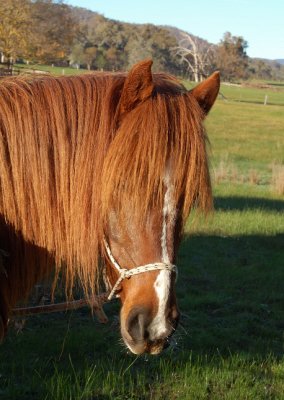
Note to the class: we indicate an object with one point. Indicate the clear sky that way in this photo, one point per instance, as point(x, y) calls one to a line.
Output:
point(259, 22)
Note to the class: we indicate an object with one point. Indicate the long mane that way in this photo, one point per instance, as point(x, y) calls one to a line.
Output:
point(66, 160)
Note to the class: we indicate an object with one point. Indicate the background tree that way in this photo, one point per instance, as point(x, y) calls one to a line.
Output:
point(54, 31)
point(150, 41)
point(101, 42)
point(231, 57)
point(15, 28)
point(195, 54)
point(260, 69)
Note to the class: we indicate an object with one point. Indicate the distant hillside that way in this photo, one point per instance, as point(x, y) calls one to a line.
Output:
point(111, 44)
point(114, 45)
point(269, 61)
point(85, 15)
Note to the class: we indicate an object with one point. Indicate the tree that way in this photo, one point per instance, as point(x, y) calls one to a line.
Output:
point(101, 43)
point(150, 41)
point(54, 31)
point(83, 55)
point(260, 69)
point(15, 28)
point(138, 47)
point(231, 57)
point(195, 54)
point(41, 30)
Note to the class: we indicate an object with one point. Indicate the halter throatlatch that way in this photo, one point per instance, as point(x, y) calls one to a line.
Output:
point(127, 273)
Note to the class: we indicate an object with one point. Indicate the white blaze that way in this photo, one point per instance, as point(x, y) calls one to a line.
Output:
point(158, 326)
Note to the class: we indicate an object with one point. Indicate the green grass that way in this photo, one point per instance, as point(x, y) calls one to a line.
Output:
point(230, 342)
point(50, 69)
point(254, 94)
point(246, 137)
point(275, 94)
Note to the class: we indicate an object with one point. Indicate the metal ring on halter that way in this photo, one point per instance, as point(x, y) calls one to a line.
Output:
point(127, 273)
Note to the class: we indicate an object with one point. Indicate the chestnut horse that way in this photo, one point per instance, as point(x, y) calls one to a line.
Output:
point(98, 174)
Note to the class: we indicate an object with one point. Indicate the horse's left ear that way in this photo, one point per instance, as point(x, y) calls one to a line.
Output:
point(138, 86)
point(206, 92)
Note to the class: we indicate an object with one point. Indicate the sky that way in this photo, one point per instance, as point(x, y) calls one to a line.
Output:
point(259, 22)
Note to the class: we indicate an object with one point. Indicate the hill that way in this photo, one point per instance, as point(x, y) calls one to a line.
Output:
point(111, 44)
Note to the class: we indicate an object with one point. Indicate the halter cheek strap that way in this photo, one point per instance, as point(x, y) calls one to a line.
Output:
point(127, 273)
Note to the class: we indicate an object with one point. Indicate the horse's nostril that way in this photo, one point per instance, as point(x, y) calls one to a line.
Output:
point(136, 324)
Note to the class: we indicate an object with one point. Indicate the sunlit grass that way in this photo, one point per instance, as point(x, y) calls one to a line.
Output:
point(50, 69)
point(246, 137)
point(240, 210)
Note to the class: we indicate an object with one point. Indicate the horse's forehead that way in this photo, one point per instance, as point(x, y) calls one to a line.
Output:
point(127, 219)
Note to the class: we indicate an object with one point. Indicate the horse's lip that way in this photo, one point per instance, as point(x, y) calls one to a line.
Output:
point(154, 347)
point(157, 346)
point(137, 348)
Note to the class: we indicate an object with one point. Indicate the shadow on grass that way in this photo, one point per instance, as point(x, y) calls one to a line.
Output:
point(244, 203)
point(231, 294)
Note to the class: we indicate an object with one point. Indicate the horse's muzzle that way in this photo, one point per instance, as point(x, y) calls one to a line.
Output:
point(139, 335)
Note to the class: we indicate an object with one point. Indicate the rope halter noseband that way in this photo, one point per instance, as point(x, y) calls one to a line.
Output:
point(127, 273)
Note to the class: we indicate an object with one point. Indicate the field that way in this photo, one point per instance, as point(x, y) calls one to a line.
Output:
point(34, 68)
point(230, 343)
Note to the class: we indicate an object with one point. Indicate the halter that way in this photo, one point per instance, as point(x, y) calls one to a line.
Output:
point(127, 273)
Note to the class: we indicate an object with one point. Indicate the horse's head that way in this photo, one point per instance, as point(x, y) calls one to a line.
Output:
point(152, 186)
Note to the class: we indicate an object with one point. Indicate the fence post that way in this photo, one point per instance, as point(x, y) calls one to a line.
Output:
point(265, 99)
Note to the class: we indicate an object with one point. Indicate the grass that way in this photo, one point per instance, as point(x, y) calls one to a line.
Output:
point(52, 70)
point(230, 343)
point(251, 94)
point(254, 94)
point(278, 179)
point(247, 137)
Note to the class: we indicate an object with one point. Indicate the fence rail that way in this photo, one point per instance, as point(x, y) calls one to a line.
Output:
point(6, 70)
point(9, 70)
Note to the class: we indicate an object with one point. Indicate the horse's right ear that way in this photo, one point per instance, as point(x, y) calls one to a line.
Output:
point(138, 86)
point(206, 92)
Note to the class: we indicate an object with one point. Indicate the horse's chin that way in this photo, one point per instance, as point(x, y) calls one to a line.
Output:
point(147, 346)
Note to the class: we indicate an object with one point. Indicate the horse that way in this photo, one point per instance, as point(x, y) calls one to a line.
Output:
point(98, 174)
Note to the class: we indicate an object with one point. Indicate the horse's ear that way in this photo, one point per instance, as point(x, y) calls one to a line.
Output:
point(206, 92)
point(138, 86)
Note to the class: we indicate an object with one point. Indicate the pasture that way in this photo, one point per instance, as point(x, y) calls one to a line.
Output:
point(230, 342)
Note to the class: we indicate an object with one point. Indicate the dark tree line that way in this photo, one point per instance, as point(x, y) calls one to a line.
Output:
point(48, 31)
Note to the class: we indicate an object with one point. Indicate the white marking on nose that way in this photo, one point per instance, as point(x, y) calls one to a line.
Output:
point(158, 327)
point(169, 214)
